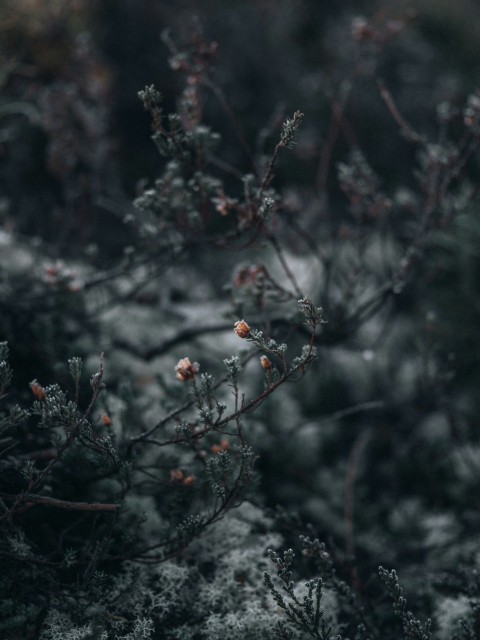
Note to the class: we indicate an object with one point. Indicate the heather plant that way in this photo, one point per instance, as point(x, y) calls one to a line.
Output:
point(142, 504)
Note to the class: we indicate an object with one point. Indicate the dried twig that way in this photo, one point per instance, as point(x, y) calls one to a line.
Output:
point(408, 132)
point(64, 504)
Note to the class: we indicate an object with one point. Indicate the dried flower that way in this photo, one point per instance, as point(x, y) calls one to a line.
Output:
point(223, 204)
point(37, 390)
point(265, 362)
point(361, 30)
point(186, 370)
point(242, 329)
point(248, 276)
point(290, 128)
point(176, 475)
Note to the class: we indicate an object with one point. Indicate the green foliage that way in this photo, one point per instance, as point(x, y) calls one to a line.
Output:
point(303, 615)
point(413, 629)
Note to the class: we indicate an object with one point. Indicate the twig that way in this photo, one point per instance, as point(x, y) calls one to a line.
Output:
point(64, 504)
point(185, 334)
point(405, 128)
point(336, 124)
point(352, 469)
point(269, 171)
point(342, 413)
point(288, 272)
point(218, 93)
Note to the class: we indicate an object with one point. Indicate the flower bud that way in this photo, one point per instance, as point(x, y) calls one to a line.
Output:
point(37, 390)
point(223, 446)
point(265, 362)
point(177, 475)
point(242, 329)
point(186, 370)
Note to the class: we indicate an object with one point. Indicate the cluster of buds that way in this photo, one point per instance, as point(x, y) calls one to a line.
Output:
point(223, 204)
point(179, 477)
point(186, 370)
point(364, 31)
point(242, 329)
point(190, 105)
point(223, 446)
point(57, 275)
point(37, 390)
point(471, 116)
point(198, 61)
point(248, 276)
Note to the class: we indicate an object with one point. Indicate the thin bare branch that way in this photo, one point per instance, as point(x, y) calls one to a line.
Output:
point(46, 501)
point(408, 132)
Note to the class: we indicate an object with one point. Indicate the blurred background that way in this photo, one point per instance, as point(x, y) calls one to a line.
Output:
point(75, 143)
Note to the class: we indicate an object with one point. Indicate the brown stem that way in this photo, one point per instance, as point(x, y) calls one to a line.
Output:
point(405, 128)
point(352, 469)
point(269, 172)
point(288, 272)
point(63, 504)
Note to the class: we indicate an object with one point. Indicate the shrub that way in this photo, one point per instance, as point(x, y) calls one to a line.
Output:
point(142, 504)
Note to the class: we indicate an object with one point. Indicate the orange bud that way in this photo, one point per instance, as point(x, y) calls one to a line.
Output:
point(249, 275)
point(52, 270)
point(37, 390)
point(189, 480)
point(223, 204)
point(176, 475)
point(265, 362)
point(223, 446)
point(107, 421)
point(242, 329)
point(186, 370)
